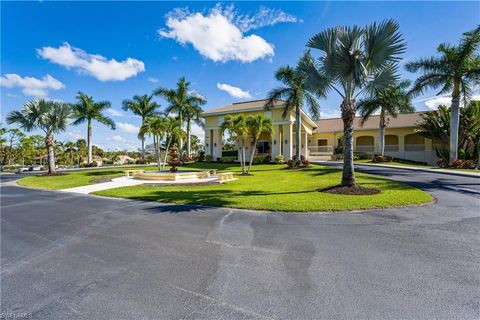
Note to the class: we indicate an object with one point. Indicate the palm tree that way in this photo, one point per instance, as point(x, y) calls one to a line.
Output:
point(183, 103)
point(390, 100)
point(236, 125)
point(70, 148)
point(173, 133)
point(48, 116)
point(456, 71)
point(297, 92)
point(354, 60)
point(192, 113)
point(87, 110)
point(156, 127)
point(257, 126)
point(143, 107)
point(81, 146)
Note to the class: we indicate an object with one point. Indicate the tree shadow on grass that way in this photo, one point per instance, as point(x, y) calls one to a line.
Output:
point(189, 198)
point(177, 208)
point(102, 173)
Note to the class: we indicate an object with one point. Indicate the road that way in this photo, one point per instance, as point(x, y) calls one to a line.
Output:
point(67, 256)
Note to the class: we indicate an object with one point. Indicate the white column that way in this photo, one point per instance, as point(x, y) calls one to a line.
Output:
point(288, 138)
point(305, 145)
point(217, 144)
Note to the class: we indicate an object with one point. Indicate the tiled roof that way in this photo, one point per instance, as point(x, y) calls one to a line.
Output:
point(239, 107)
point(404, 120)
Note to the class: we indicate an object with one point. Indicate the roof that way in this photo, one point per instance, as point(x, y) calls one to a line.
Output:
point(253, 105)
point(241, 107)
point(403, 120)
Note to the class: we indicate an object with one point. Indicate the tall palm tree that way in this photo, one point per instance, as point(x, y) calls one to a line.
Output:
point(297, 92)
point(47, 116)
point(86, 109)
point(236, 125)
point(156, 127)
point(455, 71)
point(182, 102)
point(355, 60)
point(193, 114)
point(70, 148)
point(144, 107)
point(173, 133)
point(257, 126)
point(390, 100)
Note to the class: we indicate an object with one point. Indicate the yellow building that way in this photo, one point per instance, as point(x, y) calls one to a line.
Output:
point(320, 138)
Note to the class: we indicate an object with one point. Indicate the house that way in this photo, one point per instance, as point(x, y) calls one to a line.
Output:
point(124, 159)
point(320, 138)
point(98, 160)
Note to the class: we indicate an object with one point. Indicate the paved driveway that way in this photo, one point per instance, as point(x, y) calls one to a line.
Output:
point(67, 256)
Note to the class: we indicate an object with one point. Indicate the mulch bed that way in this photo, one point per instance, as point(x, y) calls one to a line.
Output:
point(52, 174)
point(354, 191)
point(100, 180)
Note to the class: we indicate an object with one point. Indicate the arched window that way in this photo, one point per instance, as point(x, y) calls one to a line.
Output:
point(391, 142)
point(414, 142)
point(364, 144)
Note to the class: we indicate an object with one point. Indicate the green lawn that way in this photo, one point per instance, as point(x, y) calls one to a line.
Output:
point(415, 165)
point(272, 187)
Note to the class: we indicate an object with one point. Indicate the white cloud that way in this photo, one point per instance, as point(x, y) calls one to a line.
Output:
point(127, 127)
point(75, 134)
point(153, 79)
point(215, 35)
point(31, 86)
point(234, 91)
point(115, 112)
point(98, 66)
point(264, 17)
point(118, 138)
point(432, 103)
point(199, 132)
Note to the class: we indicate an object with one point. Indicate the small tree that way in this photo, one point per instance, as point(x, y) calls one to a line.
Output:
point(236, 125)
point(257, 126)
point(48, 116)
point(156, 127)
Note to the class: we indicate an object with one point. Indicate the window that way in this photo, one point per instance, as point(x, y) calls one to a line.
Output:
point(263, 147)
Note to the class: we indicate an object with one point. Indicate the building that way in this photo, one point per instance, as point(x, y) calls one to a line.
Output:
point(320, 138)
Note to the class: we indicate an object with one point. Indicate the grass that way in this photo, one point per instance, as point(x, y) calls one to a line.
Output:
point(73, 178)
point(272, 187)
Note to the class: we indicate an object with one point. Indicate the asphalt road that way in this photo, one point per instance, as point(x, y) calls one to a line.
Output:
point(67, 256)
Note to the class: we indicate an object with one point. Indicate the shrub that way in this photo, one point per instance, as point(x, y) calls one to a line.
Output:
point(304, 163)
point(468, 164)
point(457, 163)
point(208, 158)
point(361, 156)
point(379, 158)
point(261, 159)
point(228, 159)
point(229, 153)
point(279, 159)
point(442, 163)
point(337, 156)
point(89, 165)
point(141, 161)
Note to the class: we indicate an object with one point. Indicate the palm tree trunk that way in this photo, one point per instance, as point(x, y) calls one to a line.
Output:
point(454, 125)
point(381, 140)
point(143, 141)
point(252, 155)
point(156, 143)
point(51, 154)
point(89, 141)
point(298, 121)
point(166, 154)
point(348, 114)
point(188, 138)
point(180, 140)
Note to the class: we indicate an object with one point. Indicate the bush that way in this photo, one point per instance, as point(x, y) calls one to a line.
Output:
point(228, 159)
point(208, 158)
point(292, 164)
point(379, 158)
point(92, 164)
point(229, 153)
point(141, 161)
point(261, 159)
point(457, 163)
point(468, 164)
point(338, 156)
point(279, 159)
point(442, 163)
point(361, 156)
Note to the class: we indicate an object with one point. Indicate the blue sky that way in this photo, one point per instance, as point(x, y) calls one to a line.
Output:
point(228, 51)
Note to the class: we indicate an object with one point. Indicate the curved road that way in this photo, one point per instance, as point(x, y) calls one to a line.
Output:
point(67, 256)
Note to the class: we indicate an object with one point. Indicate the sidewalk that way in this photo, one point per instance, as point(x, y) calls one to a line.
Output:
point(444, 171)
